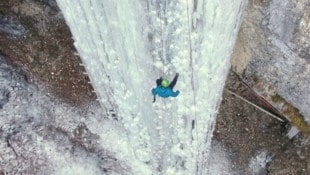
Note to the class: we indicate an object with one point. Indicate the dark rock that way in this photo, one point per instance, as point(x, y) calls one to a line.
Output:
point(12, 27)
point(4, 97)
point(50, 3)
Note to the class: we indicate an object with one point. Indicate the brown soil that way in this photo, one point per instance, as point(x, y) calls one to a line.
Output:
point(47, 50)
point(244, 130)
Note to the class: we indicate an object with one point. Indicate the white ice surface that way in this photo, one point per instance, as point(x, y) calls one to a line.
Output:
point(125, 45)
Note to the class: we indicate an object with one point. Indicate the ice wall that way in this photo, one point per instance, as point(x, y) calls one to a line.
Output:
point(125, 45)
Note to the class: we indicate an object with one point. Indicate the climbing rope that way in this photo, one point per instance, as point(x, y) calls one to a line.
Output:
point(163, 56)
point(192, 81)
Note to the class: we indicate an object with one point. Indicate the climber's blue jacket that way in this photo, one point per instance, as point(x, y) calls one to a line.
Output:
point(164, 92)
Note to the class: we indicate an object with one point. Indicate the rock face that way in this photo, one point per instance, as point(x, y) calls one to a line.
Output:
point(272, 56)
point(273, 47)
point(12, 27)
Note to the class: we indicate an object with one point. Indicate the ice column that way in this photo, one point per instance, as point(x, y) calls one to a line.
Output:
point(125, 45)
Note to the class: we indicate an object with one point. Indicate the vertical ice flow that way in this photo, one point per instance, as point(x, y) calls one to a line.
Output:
point(125, 45)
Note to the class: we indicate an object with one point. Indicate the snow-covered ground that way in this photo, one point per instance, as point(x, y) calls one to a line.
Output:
point(126, 45)
point(42, 135)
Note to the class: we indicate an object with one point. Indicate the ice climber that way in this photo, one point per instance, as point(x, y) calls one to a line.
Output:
point(164, 89)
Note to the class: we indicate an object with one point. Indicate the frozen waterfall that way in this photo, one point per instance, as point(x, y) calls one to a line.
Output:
point(126, 45)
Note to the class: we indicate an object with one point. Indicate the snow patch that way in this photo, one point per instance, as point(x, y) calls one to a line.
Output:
point(219, 162)
point(38, 128)
point(257, 164)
